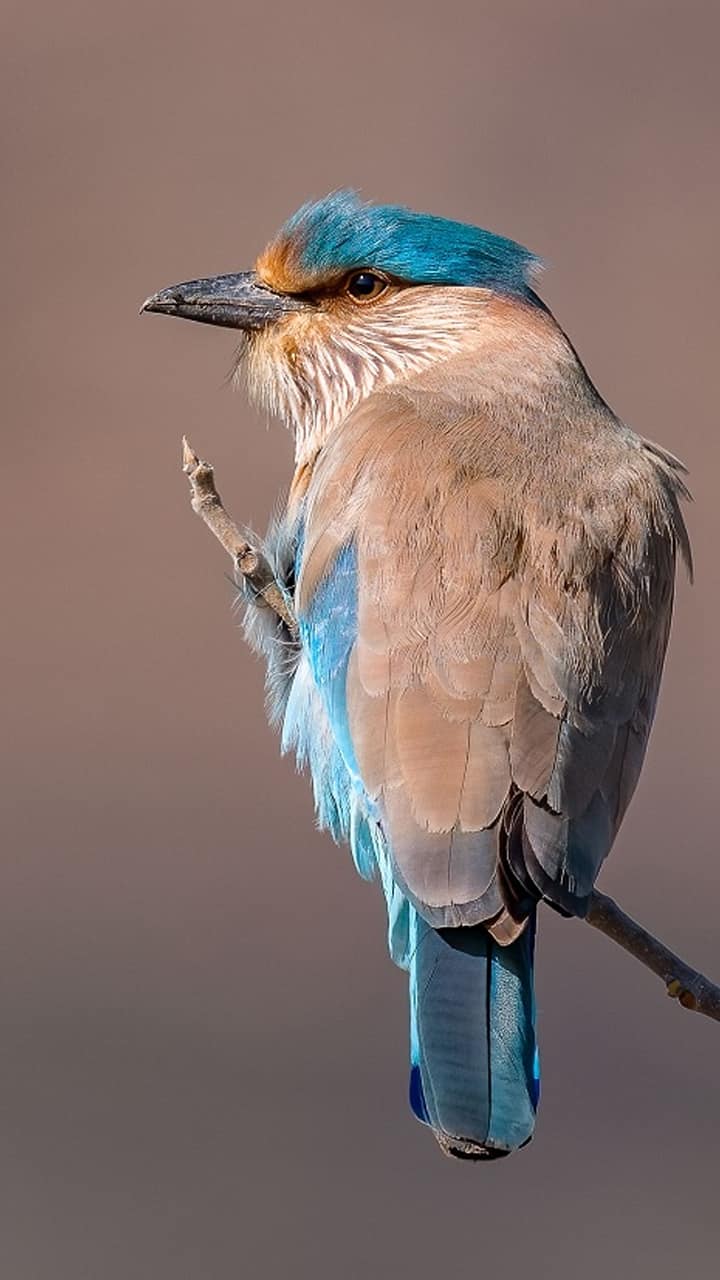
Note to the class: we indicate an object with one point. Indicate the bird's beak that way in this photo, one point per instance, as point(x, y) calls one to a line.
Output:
point(238, 301)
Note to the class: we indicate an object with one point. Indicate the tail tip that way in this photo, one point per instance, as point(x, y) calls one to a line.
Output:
point(466, 1149)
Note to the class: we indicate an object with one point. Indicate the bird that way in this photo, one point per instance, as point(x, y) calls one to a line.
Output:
point(481, 557)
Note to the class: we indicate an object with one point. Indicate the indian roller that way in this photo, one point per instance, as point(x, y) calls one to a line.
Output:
point(481, 559)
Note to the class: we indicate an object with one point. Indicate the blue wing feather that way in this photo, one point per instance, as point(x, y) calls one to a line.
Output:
point(472, 1043)
point(316, 727)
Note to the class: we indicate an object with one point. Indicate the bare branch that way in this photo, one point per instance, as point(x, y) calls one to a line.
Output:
point(249, 562)
point(692, 989)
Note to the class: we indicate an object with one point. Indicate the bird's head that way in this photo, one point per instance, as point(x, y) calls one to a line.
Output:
point(350, 297)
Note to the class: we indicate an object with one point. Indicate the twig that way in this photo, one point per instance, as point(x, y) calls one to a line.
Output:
point(248, 560)
point(692, 989)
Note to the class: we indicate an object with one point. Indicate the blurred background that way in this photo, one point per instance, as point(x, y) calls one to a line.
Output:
point(203, 1042)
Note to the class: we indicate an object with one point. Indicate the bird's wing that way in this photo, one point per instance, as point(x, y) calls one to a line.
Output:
point(492, 703)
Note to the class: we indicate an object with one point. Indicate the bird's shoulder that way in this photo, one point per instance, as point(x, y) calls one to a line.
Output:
point(562, 491)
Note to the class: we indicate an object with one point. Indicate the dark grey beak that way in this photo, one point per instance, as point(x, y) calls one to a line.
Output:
point(237, 302)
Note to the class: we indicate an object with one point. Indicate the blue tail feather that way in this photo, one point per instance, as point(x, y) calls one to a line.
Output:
point(474, 1064)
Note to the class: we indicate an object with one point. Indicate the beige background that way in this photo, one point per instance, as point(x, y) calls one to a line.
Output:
point(203, 1062)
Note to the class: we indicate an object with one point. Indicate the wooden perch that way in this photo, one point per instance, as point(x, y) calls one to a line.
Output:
point(692, 989)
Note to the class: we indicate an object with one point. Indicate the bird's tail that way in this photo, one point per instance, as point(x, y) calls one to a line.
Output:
point(474, 1064)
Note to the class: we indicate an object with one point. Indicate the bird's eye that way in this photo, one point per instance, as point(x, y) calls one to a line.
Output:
point(363, 286)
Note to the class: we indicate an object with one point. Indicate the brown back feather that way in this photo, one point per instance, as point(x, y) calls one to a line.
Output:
point(514, 600)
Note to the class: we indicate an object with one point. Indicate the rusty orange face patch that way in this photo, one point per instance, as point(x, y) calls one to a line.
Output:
point(279, 267)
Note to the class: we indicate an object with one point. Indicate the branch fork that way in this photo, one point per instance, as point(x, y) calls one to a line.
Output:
point(689, 987)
